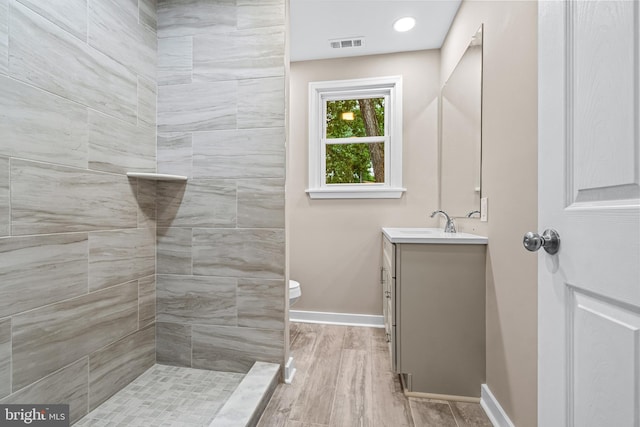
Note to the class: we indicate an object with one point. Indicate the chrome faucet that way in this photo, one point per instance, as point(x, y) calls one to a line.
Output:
point(450, 227)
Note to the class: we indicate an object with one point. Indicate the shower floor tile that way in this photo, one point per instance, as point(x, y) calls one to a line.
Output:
point(166, 396)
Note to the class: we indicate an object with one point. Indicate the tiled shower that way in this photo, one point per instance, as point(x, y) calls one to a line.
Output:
point(88, 300)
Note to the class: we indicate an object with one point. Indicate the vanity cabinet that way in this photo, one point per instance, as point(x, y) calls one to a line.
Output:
point(434, 312)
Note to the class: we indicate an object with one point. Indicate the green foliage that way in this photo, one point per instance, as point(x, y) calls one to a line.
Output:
point(349, 163)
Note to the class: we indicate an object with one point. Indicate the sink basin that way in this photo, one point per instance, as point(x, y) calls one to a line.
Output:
point(431, 236)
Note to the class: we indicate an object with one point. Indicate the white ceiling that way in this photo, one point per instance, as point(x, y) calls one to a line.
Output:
point(315, 22)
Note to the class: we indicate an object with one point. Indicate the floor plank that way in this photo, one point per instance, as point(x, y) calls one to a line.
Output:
point(431, 414)
point(353, 403)
point(469, 415)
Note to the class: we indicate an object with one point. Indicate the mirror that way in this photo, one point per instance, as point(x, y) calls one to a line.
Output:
point(461, 134)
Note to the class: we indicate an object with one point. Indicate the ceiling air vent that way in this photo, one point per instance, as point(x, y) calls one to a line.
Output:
point(344, 43)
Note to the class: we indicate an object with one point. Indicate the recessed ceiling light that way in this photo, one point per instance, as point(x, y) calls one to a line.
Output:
point(404, 24)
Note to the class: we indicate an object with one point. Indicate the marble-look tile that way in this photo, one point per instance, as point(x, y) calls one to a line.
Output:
point(265, 13)
point(174, 251)
point(205, 203)
point(147, 13)
point(261, 303)
point(253, 153)
point(246, 54)
point(120, 147)
point(147, 95)
point(56, 199)
point(175, 154)
point(175, 60)
point(116, 365)
point(261, 103)
point(53, 336)
point(255, 253)
point(71, 15)
point(4, 36)
point(224, 348)
point(68, 385)
point(245, 405)
point(197, 107)
point(188, 17)
point(120, 256)
point(115, 31)
point(146, 301)
point(48, 57)
point(146, 198)
point(196, 300)
point(261, 203)
point(5, 198)
point(36, 125)
point(5, 357)
point(173, 344)
point(40, 270)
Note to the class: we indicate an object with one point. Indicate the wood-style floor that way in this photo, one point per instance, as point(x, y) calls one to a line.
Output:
point(344, 379)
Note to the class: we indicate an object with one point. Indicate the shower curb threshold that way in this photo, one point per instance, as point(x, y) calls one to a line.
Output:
point(245, 406)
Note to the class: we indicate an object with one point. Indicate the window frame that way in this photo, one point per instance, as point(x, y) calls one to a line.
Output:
point(377, 87)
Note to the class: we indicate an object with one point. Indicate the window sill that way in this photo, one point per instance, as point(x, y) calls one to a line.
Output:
point(355, 193)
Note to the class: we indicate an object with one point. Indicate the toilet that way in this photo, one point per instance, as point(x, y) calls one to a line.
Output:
point(294, 292)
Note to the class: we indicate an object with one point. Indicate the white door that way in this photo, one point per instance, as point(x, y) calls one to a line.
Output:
point(589, 170)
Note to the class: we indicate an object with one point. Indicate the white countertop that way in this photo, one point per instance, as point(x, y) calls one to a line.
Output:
point(432, 236)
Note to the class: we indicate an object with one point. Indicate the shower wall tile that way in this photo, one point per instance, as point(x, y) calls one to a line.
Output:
point(4, 36)
point(222, 348)
point(260, 103)
point(146, 197)
point(265, 13)
point(261, 203)
point(205, 203)
point(196, 300)
point(255, 253)
point(147, 13)
point(175, 60)
point(71, 15)
point(147, 96)
point(5, 198)
point(197, 107)
point(48, 57)
point(174, 251)
point(5, 357)
point(69, 386)
point(120, 256)
point(57, 199)
point(119, 147)
point(36, 125)
point(115, 366)
point(48, 338)
point(246, 54)
point(173, 344)
point(40, 270)
point(250, 153)
point(188, 17)
point(115, 31)
point(146, 301)
point(175, 153)
point(261, 303)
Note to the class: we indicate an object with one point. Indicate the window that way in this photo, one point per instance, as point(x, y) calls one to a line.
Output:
point(355, 138)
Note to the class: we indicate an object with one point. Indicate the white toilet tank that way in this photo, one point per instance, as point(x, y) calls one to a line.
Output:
point(294, 291)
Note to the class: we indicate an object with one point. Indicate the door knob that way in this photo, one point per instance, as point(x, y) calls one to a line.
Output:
point(550, 241)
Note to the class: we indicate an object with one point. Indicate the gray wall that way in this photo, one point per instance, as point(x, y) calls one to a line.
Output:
point(77, 238)
point(221, 241)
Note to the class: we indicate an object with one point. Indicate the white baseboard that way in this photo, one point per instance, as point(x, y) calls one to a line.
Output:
point(493, 409)
point(348, 319)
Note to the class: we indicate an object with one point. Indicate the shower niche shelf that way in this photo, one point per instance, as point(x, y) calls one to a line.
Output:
point(156, 176)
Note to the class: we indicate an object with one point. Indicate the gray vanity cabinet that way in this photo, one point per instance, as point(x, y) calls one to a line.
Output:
point(434, 312)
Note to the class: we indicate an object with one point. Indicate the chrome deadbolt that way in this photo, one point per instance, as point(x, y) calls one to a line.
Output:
point(550, 241)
